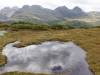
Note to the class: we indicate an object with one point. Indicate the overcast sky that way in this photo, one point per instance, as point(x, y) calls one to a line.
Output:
point(86, 5)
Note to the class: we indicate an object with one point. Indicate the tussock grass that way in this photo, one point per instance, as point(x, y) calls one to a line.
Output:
point(88, 39)
point(20, 73)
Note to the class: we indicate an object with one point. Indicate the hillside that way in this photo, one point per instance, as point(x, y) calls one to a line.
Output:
point(39, 13)
point(44, 14)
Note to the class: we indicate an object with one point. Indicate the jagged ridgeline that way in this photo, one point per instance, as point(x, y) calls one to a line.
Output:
point(39, 14)
point(36, 12)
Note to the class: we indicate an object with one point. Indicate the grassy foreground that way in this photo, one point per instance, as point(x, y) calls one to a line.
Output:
point(88, 39)
point(21, 73)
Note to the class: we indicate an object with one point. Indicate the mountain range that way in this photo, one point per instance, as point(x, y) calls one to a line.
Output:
point(37, 13)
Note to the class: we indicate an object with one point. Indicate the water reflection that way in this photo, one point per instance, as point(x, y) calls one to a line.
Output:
point(48, 57)
point(2, 33)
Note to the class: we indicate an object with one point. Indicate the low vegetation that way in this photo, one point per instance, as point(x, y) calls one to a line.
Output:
point(55, 25)
point(88, 39)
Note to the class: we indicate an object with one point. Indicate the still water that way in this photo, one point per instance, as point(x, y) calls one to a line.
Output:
point(54, 57)
point(2, 33)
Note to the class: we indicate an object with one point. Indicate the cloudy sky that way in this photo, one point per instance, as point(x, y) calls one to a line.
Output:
point(86, 5)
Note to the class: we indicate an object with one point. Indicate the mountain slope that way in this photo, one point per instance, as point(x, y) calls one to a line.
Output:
point(7, 11)
point(43, 14)
point(64, 12)
point(35, 12)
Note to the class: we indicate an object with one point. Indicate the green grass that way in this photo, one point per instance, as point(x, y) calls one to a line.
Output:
point(88, 39)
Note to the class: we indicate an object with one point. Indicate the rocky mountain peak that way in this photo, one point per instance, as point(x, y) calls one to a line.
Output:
point(77, 9)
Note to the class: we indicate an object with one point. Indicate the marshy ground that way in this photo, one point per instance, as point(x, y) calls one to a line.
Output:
point(88, 39)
